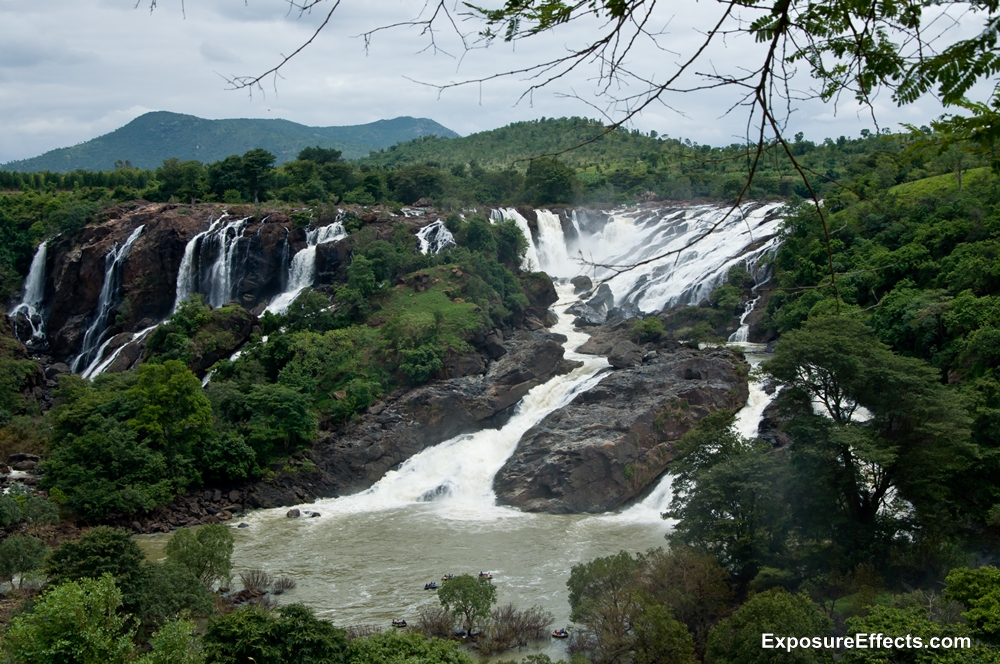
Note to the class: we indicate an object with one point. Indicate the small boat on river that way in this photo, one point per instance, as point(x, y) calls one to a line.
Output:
point(447, 577)
point(431, 586)
point(485, 575)
point(399, 623)
point(560, 633)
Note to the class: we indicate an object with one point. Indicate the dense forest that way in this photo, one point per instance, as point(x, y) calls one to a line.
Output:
point(873, 508)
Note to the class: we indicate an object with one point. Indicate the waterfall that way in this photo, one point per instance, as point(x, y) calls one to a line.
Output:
point(530, 262)
point(457, 474)
point(553, 252)
point(30, 308)
point(435, 237)
point(209, 263)
point(101, 363)
point(106, 302)
point(742, 334)
point(302, 271)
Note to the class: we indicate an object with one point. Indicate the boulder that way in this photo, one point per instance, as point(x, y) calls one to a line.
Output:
point(57, 369)
point(603, 299)
point(625, 354)
point(581, 284)
point(589, 318)
point(627, 311)
point(293, 514)
point(21, 457)
point(611, 442)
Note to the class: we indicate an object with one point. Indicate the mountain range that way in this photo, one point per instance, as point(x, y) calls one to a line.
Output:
point(159, 135)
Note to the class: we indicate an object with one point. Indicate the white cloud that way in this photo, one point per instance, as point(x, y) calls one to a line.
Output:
point(73, 69)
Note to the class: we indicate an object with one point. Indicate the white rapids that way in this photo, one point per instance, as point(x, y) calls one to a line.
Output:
point(302, 271)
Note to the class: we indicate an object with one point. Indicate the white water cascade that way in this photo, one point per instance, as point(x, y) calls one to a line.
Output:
point(302, 271)
point(435, 238)
point(30, 307)
point(100, 363)
point(690, 250)
point(209, 265)
point(106, 302)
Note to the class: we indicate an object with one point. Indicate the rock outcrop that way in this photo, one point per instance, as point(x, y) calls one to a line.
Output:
point(611, 442)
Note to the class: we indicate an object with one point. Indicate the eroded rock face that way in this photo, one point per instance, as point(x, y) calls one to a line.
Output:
point(408, 421)
point(610, 443)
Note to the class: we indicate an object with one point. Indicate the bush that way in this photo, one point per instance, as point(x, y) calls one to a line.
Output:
point(395, 646)
point(77, 622)
point(207, 552)
point(434, 621)
point(510, 627)
point(171, 590)
point(10, 511)
point(293, 635)
point(20, 554)
point(103, 550)
point(647, 329)
point(468, 597)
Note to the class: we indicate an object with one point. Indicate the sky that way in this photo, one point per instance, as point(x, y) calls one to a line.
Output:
point(71, 70)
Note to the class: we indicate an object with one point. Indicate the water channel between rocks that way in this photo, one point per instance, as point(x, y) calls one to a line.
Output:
point(366, 559)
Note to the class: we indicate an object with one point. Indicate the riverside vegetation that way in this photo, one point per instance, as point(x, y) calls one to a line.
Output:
point(873, 507)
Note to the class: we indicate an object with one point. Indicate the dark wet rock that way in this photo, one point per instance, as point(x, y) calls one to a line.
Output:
point(358, 455)
point(624, 312)
point(603, 299)
point(610, 443)
point(57, 369)
point(293, 514)
point(587, 317)
point(243, 524)
point(625, 354)
point(494, 345)
point(581, 284)
point(21, 457)
point(771, 427)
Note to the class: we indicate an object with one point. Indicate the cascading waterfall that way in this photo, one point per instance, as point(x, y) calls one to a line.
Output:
point(101, 363)
point(210, 261)
point(553, 252)
point(106, 302)
point(530, 262)
point(685, 275)
point(302, 271)
point(435, 237)
point(457, 475)
point(30, 308)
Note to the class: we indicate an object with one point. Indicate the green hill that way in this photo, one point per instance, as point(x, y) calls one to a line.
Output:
point(506, 146)
point(153, 137)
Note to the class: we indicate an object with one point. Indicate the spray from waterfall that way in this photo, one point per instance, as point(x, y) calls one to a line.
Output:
point(29, 309)
point(106, 302)
point(302, 270)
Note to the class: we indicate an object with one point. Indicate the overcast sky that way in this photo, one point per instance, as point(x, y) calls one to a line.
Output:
point(71, 70)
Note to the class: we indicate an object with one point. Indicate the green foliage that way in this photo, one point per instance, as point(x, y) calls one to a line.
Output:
point(77, 622)
point(126, 443)
point(10, 511)
point(549, 181)
point(737, 640)
point(397, 647)
point(174, 643)
point(293, 635)
point(979, 591)
point(915, 622)
point(20, 554)
point(647, 329)
point(170, 590)
point(468, 597)
point(101, 551)
point(206, 552)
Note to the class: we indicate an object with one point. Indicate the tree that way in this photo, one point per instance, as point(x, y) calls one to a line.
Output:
point(468, 597)
point(912, 445)
point(77, 622)
point(293, 635)
point(171, 590)
point(550, 181)
point(20, 554)
point(258, 171)
point(979, 591)
point(104, 550)
point(737, 640)
point(396, 646)
point(187, 180)
point(207, 552)
point(175, 643)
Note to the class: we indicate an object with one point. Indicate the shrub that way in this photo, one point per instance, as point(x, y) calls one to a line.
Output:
point(207, 552)
point(293, 635)
point(20, 554)
point(510, 627)
point(256, 580)
point(103, 550)
point(75, 622)
point(647, 329)
point(434, 621)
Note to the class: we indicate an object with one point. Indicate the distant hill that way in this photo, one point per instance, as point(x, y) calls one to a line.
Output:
point(506, 146)
point(153, 137)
